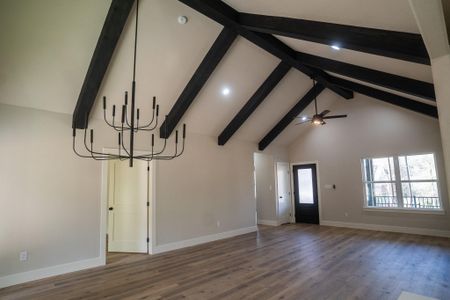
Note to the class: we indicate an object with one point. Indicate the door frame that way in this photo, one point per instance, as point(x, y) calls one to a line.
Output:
point(104, 204)
point(319, 196)
point(276, 190)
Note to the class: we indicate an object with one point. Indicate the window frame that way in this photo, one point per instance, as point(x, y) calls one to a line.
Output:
point(398, 187)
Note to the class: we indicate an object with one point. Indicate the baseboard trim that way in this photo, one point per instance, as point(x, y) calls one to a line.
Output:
point(399, 229)
point(202, 240)
point(18, 278)
point(268, 222)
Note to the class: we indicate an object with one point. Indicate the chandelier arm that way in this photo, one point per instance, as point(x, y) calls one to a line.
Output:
point(167, 157)
point(75, 149)
point(94, 152)
point(182, 150)
point(112, 125)
point(161, 157)
point(184, 139)
point(100, 155)
point(153, 153)
point(152, 128)
point(108, 123)
point(123, 146)
point(153, 115)
point(145, 128)
point(153, 139)
point(126, 119)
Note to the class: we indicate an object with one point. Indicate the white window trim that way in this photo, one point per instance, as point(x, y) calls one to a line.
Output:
point(436, 211)
point(398, 182)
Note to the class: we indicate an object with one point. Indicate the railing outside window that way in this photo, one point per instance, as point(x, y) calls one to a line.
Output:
point(408, 202)
point(408, 182)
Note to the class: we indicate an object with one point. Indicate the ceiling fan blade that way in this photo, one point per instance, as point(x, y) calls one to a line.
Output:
point(304, 121)
point(335, 117)
point(324, 113)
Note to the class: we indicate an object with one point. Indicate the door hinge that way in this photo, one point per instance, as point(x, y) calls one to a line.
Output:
point(148, 240)
point(148, 204)
point(148, 169)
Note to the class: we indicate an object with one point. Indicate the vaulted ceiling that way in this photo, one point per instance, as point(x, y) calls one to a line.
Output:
point(48, 47)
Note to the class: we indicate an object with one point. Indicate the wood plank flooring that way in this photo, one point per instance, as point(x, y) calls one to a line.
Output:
point(287, 262)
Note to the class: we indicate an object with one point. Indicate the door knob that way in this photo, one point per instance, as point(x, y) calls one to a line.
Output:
point(281, 197)
point(111, 208)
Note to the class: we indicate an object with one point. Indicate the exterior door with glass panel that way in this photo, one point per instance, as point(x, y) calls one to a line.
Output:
point(305, 194)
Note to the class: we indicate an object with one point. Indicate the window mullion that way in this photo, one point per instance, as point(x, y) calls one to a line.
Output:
point(398, 184)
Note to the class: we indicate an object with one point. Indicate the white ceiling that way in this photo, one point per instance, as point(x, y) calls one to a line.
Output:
point(382, 14)
point(48, 45)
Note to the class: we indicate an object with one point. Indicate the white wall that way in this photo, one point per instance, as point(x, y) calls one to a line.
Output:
point(50, 199)
point(209, 184)
point(265, 188)
point(372, 129)
point(430, 19)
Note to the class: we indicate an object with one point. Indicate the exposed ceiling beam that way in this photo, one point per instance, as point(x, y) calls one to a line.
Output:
point(402, 84)
point(446, 8)
point(198, 80)
point(291, 115)
point(399, 45)
point(258, 97)
point(400, 101)
point(229, 17)
point(107, 42)
point(274, 46)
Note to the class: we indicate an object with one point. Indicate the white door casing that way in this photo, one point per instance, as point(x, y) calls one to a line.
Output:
point(283, 193)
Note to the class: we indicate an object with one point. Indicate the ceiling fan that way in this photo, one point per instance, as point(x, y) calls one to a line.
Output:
point(318, 119)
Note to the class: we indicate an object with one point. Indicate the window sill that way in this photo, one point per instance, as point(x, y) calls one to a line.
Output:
point(406, 210)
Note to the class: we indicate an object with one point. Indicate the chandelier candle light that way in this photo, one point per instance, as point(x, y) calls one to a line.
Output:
point(131, 126)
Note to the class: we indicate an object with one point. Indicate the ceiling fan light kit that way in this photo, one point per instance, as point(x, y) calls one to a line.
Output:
point(318, 119)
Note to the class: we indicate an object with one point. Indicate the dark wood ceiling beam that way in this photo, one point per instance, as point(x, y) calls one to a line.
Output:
point(402, 84)
point(394, 44)
point(198, 80)
point(397, 100)
point(290, 116)
point(229, 17)
point(258, 97)
point(112, 28)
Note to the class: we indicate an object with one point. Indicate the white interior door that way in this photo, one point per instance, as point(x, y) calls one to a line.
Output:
point(284, 193)
point(127, 200)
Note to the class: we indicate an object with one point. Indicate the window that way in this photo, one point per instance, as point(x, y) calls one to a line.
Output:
point(408, 182)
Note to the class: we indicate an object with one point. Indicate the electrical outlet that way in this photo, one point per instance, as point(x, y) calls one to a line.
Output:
point(346, 214)
point(23, 255)
point(218, 223)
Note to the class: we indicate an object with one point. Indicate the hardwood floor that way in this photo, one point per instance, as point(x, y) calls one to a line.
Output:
point(287, 262)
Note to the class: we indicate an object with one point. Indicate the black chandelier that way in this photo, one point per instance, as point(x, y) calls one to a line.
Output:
point(129, 123)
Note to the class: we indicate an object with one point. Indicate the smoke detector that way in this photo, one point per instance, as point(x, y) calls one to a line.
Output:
point(182, 20)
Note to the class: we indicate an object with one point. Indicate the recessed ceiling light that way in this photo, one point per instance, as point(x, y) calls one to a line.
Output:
point(335, 47)
point(226, 91)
